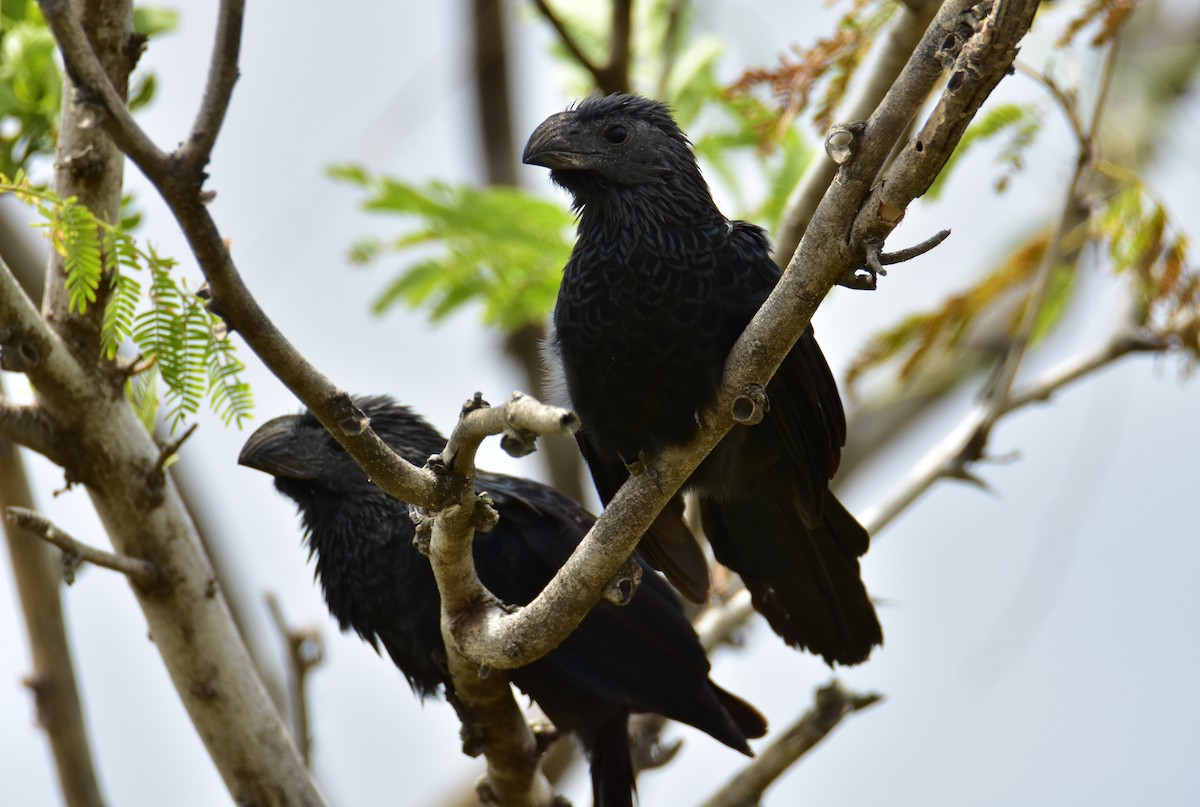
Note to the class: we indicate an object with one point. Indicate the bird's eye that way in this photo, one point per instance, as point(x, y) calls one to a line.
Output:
point(615, 134)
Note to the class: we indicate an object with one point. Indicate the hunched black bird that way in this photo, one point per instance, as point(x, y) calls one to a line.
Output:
point(658, 288)
point(643, 657)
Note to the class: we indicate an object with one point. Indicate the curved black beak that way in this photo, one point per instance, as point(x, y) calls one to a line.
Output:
point(277, 448)
point(552, 144)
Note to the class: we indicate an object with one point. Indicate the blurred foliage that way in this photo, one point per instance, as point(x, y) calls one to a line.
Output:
point(1021, 122)
point(828, 64)
point(31, 80)
point(1107, 15)
point(947, 328)
point(498, 246)
point(174, 332)
point(1143, 244)
point(1126, 228)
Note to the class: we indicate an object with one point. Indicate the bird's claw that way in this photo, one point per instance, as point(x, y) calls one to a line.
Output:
point(643, 465)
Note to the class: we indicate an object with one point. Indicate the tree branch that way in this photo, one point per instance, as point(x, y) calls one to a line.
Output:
point(141, 511)
point(949, 458)
point(904, 32)
point(511, 750)
point(305, 650)
point(222, 75)
point(29, 426)
point(832, 705)
point(142, 572)
point(1070, 215)
point(968, 442)
point(38, 580)
point(333, 407)
point(92, 86)
point(568, 42)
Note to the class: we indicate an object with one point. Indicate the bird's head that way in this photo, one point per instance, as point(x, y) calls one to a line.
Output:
point(299, 452)
point(607, 145)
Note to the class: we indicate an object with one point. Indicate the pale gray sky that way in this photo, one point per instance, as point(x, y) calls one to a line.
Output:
point(1040, 640)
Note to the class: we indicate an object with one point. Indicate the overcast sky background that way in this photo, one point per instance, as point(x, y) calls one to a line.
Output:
point(1040, 641)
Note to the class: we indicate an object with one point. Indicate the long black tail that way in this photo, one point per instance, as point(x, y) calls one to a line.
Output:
point(804, 581)
point(613, 784)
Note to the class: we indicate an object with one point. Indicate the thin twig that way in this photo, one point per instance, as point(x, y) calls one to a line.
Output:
point(222, 75)
point(305, 650)
point(1067, 101)
point(144, 573)
point(171, 448)
point(93, 87)
point(945, 459)
point(670, 44)
point(915, 251)
point(832, 704)
point(1002, 382)
point(568, 41)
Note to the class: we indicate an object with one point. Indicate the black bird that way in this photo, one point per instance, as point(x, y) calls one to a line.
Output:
point(643, 657)
point(658, 288)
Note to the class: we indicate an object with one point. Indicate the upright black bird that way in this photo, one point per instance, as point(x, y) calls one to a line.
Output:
point(643, 657)
point(658, 288)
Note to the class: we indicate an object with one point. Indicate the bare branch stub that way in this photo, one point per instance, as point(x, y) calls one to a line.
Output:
point(142, 572)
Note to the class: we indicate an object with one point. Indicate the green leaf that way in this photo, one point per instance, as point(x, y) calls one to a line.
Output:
point(154, 21)
point(143, 91)
point(498, 247)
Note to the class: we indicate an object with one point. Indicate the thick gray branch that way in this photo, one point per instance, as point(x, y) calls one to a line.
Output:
point(470, 612)
point(139, 508)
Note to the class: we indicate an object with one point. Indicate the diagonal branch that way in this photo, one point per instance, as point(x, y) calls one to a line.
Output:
point(948, 459)
point(1072, 212)
point(92, 86)
point(613, 76)
point(568, 41)
point(832, 704)
point(903, 34)
point(332, 406)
